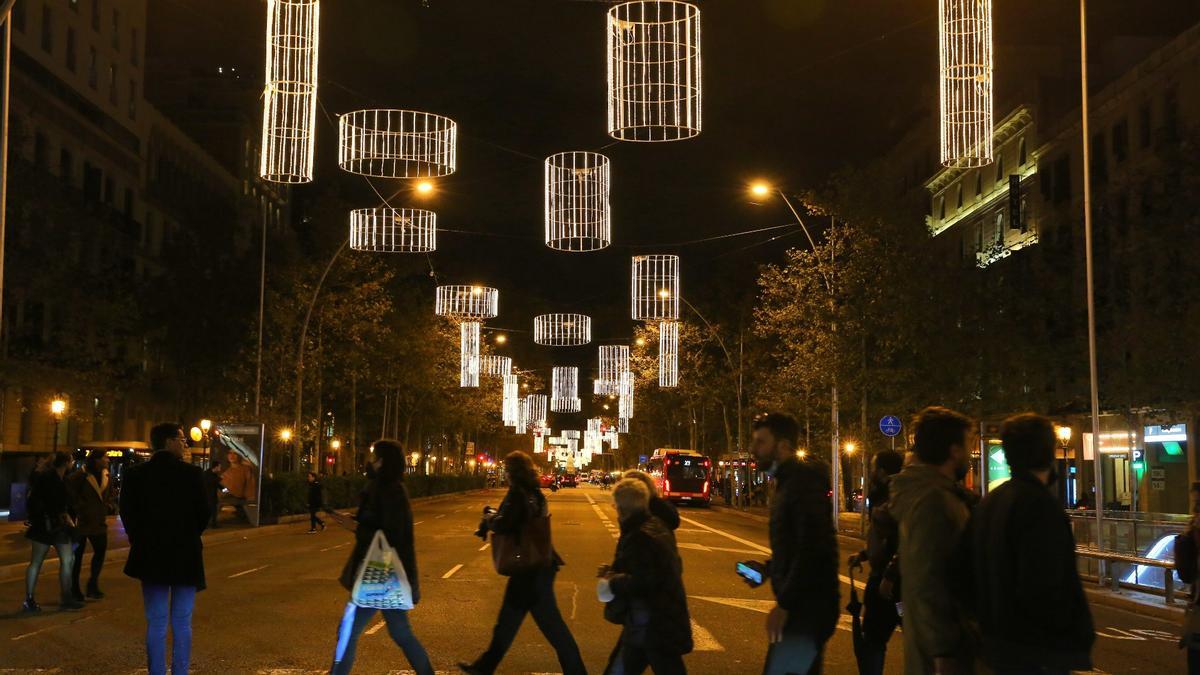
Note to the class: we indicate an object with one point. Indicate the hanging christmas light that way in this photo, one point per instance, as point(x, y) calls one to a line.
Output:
point(511, 407)
point(397, 143)
point(622, 425)
point(668, 354)
point(656, 288)
point(522, 425)
point(469, 354)
point(614, 360)
point(388, 230)
point(290, 96)
point(562, 330)
point(577, 210)
point(467, 302)
point(536, 414)
point(625, 397)
point(564, 388)
point(654, 85)
point(965, 41)
point(495, 366)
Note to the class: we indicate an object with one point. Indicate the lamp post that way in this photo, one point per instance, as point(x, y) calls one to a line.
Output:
point(764, 190)
point(285, 435)
point(206, 427)
point(1064, 446)
point(336, 446)
point(58, 408)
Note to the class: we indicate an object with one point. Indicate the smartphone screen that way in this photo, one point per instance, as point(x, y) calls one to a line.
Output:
point(749, 573)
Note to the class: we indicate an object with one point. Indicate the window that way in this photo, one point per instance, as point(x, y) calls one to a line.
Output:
point(133, 46)
point(112, 83)
point(1099, 159)
point(128, 206)
point(1000, 227)
point(133, 99)
point(1145, 120)
point(978, 184)
point(92, 66)
point(66, 166)
point(1061, 181)
point(1171, 113)
point(109, 189)
point(47, 29)
point(96, 15)
point(960, 196)
point(116, 29)
point(1023, 216)
point(1022, 155)
point(942, 209)
point(999, 168)
point(1120, 140)
point(41, 151)
point(71, 58)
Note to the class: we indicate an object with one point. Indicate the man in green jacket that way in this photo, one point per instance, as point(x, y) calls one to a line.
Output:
point(932, 511)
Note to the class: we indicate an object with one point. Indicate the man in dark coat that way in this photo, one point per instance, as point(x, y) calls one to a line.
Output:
point(646, 580)
point(164, 510)
point(88, 488)
point(804, 552)
point(212, 491)
point(1028, 598)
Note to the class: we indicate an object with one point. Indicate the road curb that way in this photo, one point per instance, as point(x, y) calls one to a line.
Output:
point(17, 570)
point(1155, 611)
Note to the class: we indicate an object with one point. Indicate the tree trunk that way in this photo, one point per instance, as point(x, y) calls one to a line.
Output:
point(353, 421)
point(725, 421)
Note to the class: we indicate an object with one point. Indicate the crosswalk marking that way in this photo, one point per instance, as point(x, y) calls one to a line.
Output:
point(375, 629)
point(454, 569)
point(703, 641)
point(245, 572)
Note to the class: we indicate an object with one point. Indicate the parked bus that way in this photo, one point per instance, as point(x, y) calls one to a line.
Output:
point(682, 476)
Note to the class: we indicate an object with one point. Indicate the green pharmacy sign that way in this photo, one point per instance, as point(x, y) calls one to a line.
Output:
point(997, 467)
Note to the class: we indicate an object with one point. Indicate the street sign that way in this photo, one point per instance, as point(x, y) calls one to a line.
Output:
point(642, 459)
point(890, 426)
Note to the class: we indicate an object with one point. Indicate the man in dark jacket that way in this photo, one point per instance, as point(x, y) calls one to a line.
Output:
point(880, 617)
point(804, 553)
point(646, 578)
point(164, 511)
point(88, 488)
point(212, 491)
point(1028, 598)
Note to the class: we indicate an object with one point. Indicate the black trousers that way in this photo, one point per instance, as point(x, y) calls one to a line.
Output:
point(635, 660)
point(532, 594)
point(99, 548)
point(879, 622)
point(313, 519)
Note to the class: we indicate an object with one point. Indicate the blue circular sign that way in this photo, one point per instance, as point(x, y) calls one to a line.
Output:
point(890, 425)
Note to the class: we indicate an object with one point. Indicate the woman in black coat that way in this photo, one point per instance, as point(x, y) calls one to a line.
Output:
point(316, 502)
point(528, 593)
point(51, 524)
point(384, 506)
point(646, 582)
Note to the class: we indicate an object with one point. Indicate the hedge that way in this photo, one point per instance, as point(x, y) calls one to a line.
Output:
point(287, 493)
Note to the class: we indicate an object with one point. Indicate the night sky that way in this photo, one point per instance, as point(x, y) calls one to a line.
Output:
point(792, 90)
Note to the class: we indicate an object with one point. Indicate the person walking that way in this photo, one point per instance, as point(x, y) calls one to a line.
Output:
point(1028, 599)
point(212, 492)
point(880, 617)
point(88, 488)
point(164, 509)
point(932, 514)
point(1187, 566)
point(315, 503)
point(384, 506)
point(804, 554)
point(527, 592)
point(645, 581)
point(659, 507)
point(51, 525)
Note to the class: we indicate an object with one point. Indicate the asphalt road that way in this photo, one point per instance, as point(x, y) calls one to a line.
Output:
point(273, 603)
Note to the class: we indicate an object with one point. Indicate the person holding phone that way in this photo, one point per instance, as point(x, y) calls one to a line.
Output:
point(804, 554)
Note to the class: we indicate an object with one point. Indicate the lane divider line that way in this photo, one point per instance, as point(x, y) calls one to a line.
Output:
point(245, 572)
point(454, 569)
point(331, 548)
point(485, 546)
point(375, 629)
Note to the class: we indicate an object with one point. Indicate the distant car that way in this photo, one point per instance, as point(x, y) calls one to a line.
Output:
point(569, 480)
point(547, 480)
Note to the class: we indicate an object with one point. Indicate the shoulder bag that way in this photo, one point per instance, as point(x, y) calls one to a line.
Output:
point(526, 550)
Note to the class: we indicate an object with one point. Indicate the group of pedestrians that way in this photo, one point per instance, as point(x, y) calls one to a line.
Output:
point(67, 512)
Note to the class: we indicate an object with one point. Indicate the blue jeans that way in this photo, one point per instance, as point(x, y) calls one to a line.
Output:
point(163, 602)
point(356, 618)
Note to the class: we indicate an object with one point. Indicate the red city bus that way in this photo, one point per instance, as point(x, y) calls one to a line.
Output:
point(682, 476)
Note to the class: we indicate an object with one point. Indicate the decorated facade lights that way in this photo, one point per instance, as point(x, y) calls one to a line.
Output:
point(668, 354)
point(654, 71)
point(470, 305)
point(577, 213)
point(290, 94)
point(562, 330)
point(966, 67)
point(564, 388)
point(397, 144)
point(388, 230)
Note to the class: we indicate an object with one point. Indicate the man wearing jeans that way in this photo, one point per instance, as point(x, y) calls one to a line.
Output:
point(164, 509)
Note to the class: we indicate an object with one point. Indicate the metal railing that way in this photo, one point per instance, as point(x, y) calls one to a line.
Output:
point(1115, 560)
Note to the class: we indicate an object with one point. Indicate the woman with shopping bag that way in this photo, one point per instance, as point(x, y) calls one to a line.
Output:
point(381, 573)
point(521, 551)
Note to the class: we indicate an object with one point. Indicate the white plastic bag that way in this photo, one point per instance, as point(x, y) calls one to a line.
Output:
point(382, 582)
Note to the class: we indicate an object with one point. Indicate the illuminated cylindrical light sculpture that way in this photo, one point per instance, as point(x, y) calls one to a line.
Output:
point(511, 410)
point(564, 390)
point(656, 288)
point(536, 411)
point(668, 354)
point(562, 330)
point(397, 144)
point(654, 86)
point(965, 40)
point(622, 425)
point(495, 366)
point(290, 96)
point(388, 230)
point(577, 210)
point(625, 397)
point(614, 361)
point(467, 302)
point(469, 354)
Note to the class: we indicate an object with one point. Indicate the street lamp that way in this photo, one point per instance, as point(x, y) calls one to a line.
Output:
point(425, 187)
point(206, 427)
point(1064, 444)
point(501, 339)
point(58, 408)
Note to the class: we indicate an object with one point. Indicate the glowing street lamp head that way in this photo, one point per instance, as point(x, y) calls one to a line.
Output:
point(425, 187)
point(641, 342)
point(285, 435)
point(760, 189)
point(335, 444)
point(205, 425)
point(196, 434)
point(664, 293)
point(1063, 433)
point(850, 447)
point(58, 406)
point(501, 339)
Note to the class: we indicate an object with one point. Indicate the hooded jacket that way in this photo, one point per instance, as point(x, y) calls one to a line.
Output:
point(932, 515)
point(648, 576)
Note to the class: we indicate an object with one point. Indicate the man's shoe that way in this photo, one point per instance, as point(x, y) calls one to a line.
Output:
point(470, 669)
point(312, 530)
point(322, 526)
point(94, 592)
point(71, 605)
point(77, 595)
point(30, 606)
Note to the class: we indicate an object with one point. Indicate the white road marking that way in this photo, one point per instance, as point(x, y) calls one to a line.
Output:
point(440, 515)
point(418, 523)
point(375, 629)
point(40, 630)
point(709, 549)
point(485, 546)
point(331, 548)
point(245, 572)
point(454, 569)
point(703, 641)
point(760, 606)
